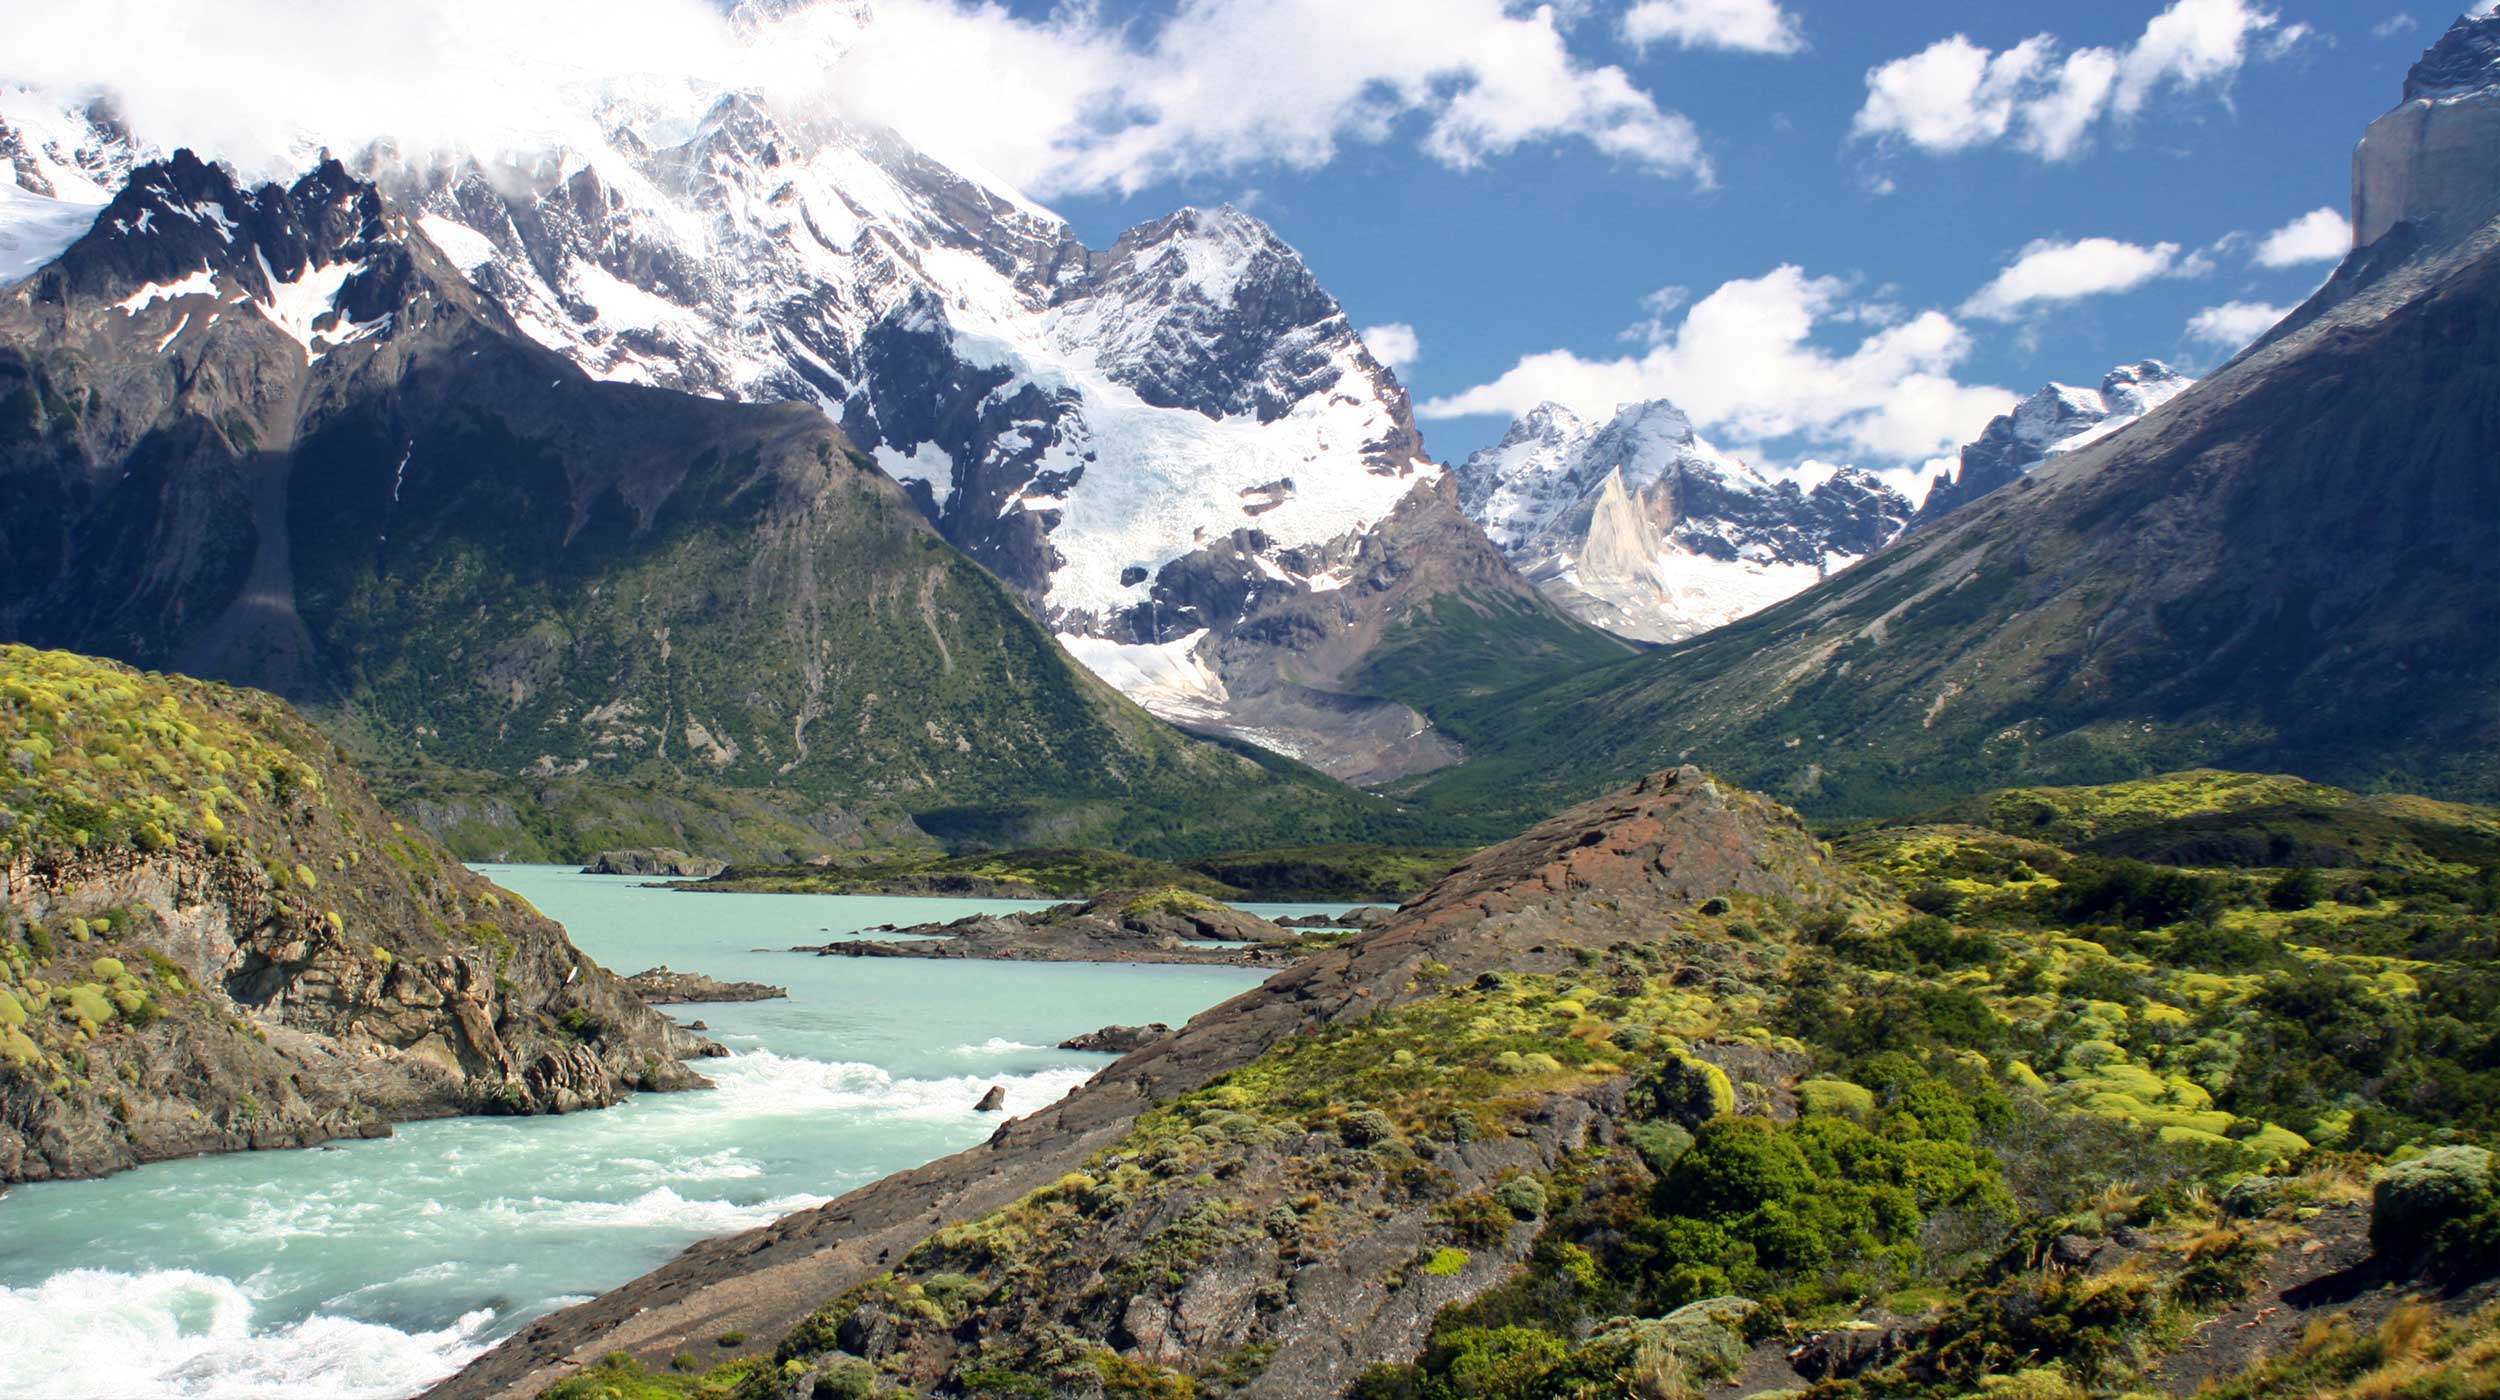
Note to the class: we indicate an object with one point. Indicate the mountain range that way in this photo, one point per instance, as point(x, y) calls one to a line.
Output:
point(273, 436)
point(1176, 451)
point(2286, 567)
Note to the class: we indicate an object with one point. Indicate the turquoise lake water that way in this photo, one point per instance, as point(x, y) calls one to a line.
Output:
point(373, 1268)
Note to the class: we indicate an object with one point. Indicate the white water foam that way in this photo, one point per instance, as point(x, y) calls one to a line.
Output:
point(764, 1084)
point(95, 1334)
point(995, 1045)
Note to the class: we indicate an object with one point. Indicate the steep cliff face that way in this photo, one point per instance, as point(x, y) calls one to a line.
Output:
point(211, 939)
point(2427, 164)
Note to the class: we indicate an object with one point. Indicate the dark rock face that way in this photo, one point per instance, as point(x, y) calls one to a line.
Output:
point(995, 1101)
point(1117, 1040)
point(663, 986)
point(1636, 865)
point(2466, 59)
point(663, 861)
point(299, 970)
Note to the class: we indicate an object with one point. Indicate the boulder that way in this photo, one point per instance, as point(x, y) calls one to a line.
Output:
point(995, 1101)
point(1118, 1040)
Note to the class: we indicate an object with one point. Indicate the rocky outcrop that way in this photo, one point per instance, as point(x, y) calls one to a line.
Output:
point(1139, 926)
point(1117, 1040)
point(663, 861)
point(664, 986)
point(2427, 166)
point(1655, 868)
point(217, 941)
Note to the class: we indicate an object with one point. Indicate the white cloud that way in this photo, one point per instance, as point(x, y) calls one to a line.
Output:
point(1066, 102)
point(2234, 323)
point(1956, 94)
point(1754, 26)
point(2321, 235)
point(2050, 271)
point(1951, 95)
point(2393, 25)
point(1395, 344)
point(1744, 362)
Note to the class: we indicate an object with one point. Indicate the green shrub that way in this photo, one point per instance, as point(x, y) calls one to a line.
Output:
point(2442, 1210)
point(1684, 1090)
point(1447, 1263)
point(1522, 1196)
point(1827, 1097)
point(846, 1378)
point(1367, 1127)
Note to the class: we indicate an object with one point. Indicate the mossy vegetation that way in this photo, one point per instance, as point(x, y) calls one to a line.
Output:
point(1995, 1043)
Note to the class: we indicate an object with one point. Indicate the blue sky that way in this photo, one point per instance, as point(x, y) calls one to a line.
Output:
point(1556, 244)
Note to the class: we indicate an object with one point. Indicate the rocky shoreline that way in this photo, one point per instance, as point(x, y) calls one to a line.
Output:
point(663, 861)
point(665, 986)
point(1125, 926)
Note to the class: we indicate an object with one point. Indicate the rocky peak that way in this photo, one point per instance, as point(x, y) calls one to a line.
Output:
point(2057, 419)
point(2428, 165)
point(1642, 527)
point(2465, 60)
point(1209, 310)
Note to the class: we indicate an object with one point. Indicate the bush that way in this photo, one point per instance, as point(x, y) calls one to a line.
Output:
point(2441, 1209)
point(2296, 890)
point(1737, 1166)
point(1367, 1127)
point(1659, 1144)
point(846, 1378)
point(1523, 1196)
point(1684, 1090)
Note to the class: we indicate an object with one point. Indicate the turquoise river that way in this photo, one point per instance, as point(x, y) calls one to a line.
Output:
point(371, 1269)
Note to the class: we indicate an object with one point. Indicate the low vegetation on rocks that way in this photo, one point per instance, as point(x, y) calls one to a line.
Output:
point(211, 938)
point(1989, 1113)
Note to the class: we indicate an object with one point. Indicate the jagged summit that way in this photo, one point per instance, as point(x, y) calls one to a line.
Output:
point(2059, 418)
point(1642, 527)
point(2465, 60)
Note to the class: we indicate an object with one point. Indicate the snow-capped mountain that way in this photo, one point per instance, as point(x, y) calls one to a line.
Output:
point(1643, 528)
point(2058, 419)
point(1177, 449)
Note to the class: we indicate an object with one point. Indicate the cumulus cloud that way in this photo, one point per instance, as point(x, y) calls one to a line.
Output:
point(2393, 25)
point(1956, 94)
point(1395, 344)
point(1753, 26)
point(2234, 323)
point(1746, 362)
point(1069, 101)
point(2050, 271)
point(2321, 235)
